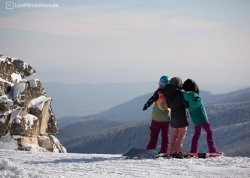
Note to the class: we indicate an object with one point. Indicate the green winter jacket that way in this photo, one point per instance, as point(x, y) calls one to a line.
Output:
point(196, 108)
point(160, 115)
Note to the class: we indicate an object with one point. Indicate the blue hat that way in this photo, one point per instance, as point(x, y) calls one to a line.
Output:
point(164, 80)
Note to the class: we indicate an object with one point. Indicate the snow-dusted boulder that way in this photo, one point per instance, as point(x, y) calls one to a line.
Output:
point(14, 70)
point(25, 110)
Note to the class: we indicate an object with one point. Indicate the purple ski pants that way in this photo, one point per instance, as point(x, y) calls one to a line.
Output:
point(210, 140)
point(155, 129)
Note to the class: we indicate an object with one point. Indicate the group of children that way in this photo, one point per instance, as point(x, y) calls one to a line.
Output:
point(173, 101)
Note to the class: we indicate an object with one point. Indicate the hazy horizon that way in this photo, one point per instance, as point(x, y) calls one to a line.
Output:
point(152, 85)
point(131, 41)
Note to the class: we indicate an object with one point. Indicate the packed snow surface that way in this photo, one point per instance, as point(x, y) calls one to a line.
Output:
point(35, 164)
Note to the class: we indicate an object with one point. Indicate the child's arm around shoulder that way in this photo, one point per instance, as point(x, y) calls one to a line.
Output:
point(183, 98)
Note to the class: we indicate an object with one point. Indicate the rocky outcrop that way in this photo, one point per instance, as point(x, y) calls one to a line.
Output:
point(25, 110)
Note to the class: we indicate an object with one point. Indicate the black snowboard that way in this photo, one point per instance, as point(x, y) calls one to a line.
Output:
point(140, 153)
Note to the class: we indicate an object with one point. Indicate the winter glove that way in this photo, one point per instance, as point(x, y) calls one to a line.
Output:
point(145, 107)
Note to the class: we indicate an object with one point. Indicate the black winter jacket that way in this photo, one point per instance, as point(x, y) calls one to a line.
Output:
point(178, 106)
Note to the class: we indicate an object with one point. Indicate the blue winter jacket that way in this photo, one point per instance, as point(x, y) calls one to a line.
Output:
point(196, 107)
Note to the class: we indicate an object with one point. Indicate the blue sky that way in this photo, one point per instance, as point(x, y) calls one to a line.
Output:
point(98, 41)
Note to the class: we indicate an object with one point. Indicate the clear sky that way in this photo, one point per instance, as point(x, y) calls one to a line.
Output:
point(98, 41)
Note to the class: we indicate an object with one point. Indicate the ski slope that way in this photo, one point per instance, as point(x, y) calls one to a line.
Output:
point(34, 164)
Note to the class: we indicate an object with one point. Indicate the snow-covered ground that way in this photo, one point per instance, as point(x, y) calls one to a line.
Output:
point(36, 164)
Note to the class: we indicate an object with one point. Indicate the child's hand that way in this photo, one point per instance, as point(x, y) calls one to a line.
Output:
point(145, 107)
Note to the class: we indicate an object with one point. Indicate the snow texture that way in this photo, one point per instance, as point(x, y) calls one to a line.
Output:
point(15, 117)
point(35, 164)
point(18, 89)
point(29, 120)
point(3, 58)
point(38, 102)
point(16, 77)
point(6, 142)
point(2, 80)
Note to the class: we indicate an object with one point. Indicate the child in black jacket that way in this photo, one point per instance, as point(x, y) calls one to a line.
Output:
point(179, 115)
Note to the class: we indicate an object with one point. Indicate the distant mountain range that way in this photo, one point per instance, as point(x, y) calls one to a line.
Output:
point(78, 100)
point(126, 125)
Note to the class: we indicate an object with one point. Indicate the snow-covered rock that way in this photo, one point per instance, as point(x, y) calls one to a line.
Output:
point(14, 70)
point(25, 110)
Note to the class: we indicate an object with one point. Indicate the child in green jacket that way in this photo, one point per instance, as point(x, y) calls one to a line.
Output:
point(160, 117)
point(198, 115)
